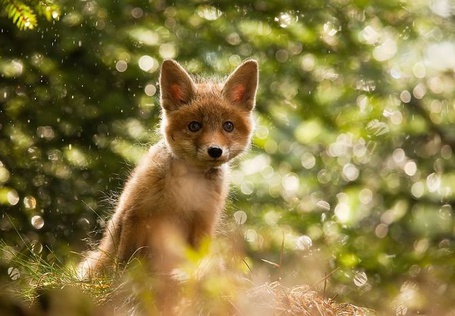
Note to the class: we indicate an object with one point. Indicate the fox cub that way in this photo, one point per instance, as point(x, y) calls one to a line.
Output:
point(175, 196)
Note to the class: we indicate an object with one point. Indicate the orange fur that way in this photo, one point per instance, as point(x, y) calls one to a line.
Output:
point(176, 194)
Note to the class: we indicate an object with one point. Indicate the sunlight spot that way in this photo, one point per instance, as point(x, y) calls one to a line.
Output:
point(251, 235)
point(433, 182)
point(135, 129)
point(268, 172)
point(446, 152)
point(100, 24)
point(441, 56)
point(270, 146)
point(395, 73)
point(331, 28)
point(37, 222)
point(343, 212)
point(419, 91)
point(362, 102)
point(359, 149)
point(13, 197)
point(209, 13)
point(167, 50)
point(386, 50)
point(365, 85)
point(421, 246)
point(443, 8)
point(366, 196)
point(436, 85)
point(261, 132)
point(370, 35)
point(419, 70)
point(247, 187)
point(4, 173)
point(121, 66)
point(405, 96)
point(240, 217)
point(255, 165)
point(350, 172)
point(36, 247)
point(377, 127)
point(304, 242)
point(410, 298)
point(324, 176)
point(145, 36)
point(271, 218)
point(399, 155)
point(45, 132)
point(233, 38)
point(323, 205)
point(282, 55)
point(150, 90)
point(381, 230)
point(291, 183)
point(410, 168)
point(54, 155)
point(148, 64)
point(418, 189)
point(395, 213)
point(14, 273)
point(395, 116)
point(137, 12)
point(445, 212)
point(308, 160)
point(307, 132)
point(30, 202)
point(13, 68)
point(308, 62)
point(76, 157)
point(283, 20)
point(337, 149)
point(360, 278)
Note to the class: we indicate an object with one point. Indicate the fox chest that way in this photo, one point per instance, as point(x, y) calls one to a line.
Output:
point(191, 192)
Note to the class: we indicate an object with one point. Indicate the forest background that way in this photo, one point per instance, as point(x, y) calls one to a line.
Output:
point(351, 173)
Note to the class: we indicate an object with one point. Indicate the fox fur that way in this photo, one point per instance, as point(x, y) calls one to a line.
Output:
point(175, 196)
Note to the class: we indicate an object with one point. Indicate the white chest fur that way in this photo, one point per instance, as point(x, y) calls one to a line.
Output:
point(196, 191)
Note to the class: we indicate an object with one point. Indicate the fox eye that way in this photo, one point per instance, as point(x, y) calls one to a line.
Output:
point(194, 126)
point(228, 126)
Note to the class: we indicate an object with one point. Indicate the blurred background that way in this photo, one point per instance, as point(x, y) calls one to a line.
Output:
point(351, 178)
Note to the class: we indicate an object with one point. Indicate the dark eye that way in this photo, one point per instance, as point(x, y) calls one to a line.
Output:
point(228, 126)
point(194, 126)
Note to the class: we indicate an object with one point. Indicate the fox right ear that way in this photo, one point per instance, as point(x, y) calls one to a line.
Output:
point(240, 87)
point(177, 87)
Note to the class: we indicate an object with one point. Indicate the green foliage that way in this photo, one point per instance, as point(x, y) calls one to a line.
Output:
point(352, 168)
point(23, 13)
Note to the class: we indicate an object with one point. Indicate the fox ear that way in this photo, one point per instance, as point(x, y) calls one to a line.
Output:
point(240, 87)
point(177, 87)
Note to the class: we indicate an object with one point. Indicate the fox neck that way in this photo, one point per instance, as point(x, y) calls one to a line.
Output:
point(196, 166)
point(200, 167)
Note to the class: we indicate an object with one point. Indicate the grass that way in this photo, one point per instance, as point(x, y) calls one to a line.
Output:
point(214, 281)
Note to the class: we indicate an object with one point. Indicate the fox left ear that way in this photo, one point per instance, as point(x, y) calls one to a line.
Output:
point(177, 87)
point(240, 87)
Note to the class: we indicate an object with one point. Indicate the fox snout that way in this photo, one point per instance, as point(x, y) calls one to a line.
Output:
point(215, 151)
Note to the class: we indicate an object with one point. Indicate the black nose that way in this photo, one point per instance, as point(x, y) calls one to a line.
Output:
point(215, 152)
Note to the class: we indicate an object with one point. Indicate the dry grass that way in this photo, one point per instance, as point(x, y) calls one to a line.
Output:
point(208, 284)
point(276, 299)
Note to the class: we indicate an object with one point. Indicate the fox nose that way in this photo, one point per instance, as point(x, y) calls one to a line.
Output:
point(215, 151)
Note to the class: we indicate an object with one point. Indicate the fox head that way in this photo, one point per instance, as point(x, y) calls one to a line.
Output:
point(207, 123)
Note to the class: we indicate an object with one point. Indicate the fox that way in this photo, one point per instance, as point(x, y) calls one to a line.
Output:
point(175, 196)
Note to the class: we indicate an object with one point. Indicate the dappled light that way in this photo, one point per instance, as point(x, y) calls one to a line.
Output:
point(349, 184)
